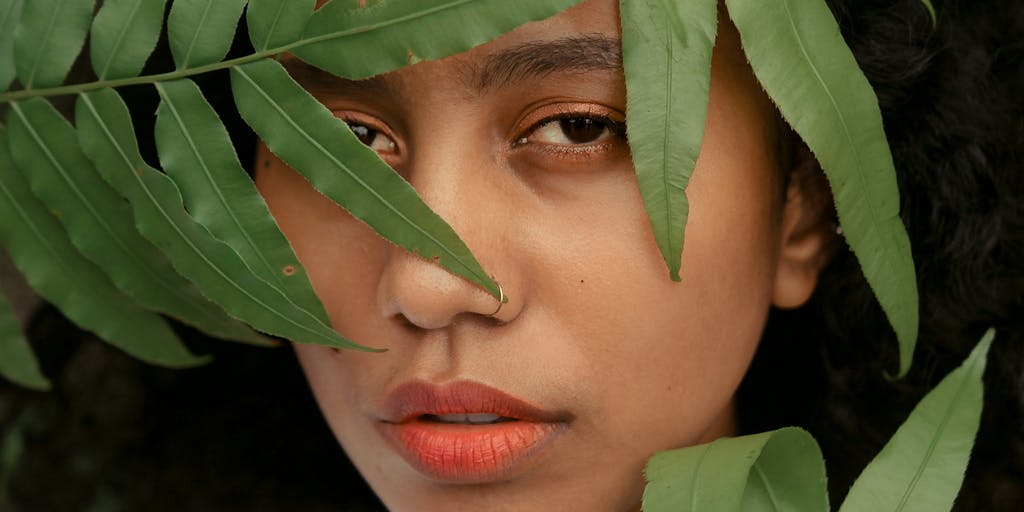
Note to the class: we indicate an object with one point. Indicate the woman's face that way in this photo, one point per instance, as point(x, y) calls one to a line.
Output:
point(598, 360)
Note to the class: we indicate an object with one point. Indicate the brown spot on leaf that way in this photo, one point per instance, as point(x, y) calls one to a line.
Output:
point(289, 270)
point(138, 171)
point(362, 3)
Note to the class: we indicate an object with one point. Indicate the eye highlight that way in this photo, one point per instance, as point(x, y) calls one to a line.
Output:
point(575, 129)
point(371, 137)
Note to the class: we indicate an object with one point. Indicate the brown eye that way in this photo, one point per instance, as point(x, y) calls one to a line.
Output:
point(574, 130)
point(376, 140)
point(581, 130)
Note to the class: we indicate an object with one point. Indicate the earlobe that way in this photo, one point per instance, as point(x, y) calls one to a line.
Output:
point(806, 238)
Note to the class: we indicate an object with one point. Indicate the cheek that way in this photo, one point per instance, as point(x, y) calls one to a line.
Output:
point(660, 357)
point(342, 256)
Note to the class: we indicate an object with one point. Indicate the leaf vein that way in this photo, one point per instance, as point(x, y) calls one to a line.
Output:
point(767, 486)
point(273, 26)
point(352, 174)
point(947, 414)
point(120, 39)
point(256, 300)
point(835, 106)
point(666, 130)
point(195, 35)
point(86, 203)
point(46, 44)
point(696, 474)
point(187, 135)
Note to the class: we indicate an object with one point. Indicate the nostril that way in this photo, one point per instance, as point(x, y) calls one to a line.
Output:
point(405, 322)
point(416, 293)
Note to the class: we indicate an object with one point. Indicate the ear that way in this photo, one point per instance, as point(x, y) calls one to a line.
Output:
point(807, 237)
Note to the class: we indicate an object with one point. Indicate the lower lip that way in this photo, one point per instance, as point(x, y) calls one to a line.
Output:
point(460, 453)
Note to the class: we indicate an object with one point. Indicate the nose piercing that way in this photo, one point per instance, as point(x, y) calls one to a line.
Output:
point(501, 299)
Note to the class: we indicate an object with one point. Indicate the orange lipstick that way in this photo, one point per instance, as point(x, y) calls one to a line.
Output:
point(465, 432)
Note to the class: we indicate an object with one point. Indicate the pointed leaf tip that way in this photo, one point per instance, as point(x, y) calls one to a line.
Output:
point(803, 63)
point(668, 81)
point(922, 466)
point(216, 269)
point(321, 147)
point(43, 251)
point(197, 154)
point(17, 362)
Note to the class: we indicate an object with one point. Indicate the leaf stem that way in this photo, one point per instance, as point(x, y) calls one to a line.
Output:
point(217, 66)
point(138, 80)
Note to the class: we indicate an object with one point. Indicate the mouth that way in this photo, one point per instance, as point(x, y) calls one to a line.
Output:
point(465, 432)
point(466, 419)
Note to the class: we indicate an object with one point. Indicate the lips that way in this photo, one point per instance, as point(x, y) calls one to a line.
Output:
point(465, 432)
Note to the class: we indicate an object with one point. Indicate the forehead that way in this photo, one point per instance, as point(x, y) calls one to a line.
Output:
point(582, 39)
point(586, 17)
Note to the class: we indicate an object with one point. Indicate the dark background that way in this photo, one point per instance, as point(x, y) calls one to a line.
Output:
point(242, 433)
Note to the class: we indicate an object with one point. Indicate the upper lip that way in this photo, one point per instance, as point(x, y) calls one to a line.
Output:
point(413, 399)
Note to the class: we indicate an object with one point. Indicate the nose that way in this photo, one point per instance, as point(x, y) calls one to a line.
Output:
point(465, 191)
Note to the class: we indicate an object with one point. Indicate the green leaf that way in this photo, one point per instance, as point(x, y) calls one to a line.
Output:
point(275, 23)
point(801, 60)
point(10, 13)
point(41, 249)
point(17, 362)
point(772, 471)
point(124, 34)
point(48, 39)
point(922, 467)
point(108, 137)
point(196, 152)
point(666, 52)
point(383, 35)
point(201, 31)
point(931, 10)
point(321, 147)
point(99, 221)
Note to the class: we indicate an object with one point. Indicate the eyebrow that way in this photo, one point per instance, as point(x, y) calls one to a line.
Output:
point(538, 59)
point(530, 60)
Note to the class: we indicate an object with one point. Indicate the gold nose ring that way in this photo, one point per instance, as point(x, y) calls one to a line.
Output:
point(501, 299)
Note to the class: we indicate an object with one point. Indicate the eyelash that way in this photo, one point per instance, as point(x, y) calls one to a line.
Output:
point(571, 150)
point(582, 150)
point(357, 120)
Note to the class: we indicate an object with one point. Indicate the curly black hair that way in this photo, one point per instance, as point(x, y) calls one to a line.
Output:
point(952, 99)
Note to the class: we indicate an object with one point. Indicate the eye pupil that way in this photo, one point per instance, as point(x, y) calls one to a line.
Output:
point(581, 130)
point(363, 133)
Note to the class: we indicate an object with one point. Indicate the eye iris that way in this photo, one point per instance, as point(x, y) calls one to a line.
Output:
point(581, 130)
point(363, 133)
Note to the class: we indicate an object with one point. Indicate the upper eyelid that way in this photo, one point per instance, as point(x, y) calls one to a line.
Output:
point(547, 113)
point(361, 118)
point(558, 117)
point(617, 127)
